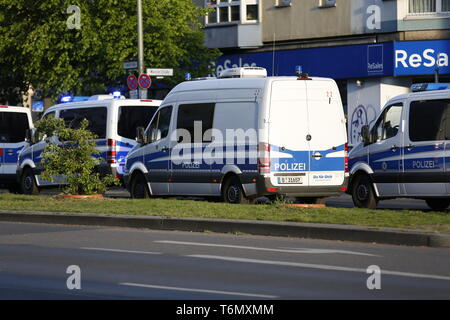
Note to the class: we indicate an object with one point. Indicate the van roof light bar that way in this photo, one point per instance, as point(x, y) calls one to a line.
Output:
point(246, 72)
point(420, 87)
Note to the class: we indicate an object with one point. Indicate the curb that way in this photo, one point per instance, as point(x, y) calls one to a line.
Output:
point(262, 228)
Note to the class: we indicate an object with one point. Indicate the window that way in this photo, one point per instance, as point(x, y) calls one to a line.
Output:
point(160, 122)
point(226, 11)
point(428, 6)
point(49, 115)
point(97, 118)
point(189, 114)
point(13, 126)
point(428, 120)
point(132, 117)
point(388, 125)
point(252, 12)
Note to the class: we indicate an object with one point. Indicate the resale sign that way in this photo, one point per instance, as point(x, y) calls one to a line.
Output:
point(421, 57)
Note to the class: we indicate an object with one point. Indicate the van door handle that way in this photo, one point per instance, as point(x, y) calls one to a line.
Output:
point(317, 155)
point(409, 147)
point(394, 148)
point(164, 149)
point(10, 152)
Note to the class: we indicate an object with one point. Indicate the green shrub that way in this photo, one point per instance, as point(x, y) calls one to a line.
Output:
point(75, 157)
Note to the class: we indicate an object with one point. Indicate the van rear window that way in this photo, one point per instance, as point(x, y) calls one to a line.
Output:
point(429, 120)
point(13, 126)
point(97, 118)
point(132, 117)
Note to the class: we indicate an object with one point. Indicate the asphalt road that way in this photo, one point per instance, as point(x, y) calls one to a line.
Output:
point(134, 264)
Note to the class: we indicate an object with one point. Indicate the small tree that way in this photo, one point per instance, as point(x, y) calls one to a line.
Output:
point(75, 157)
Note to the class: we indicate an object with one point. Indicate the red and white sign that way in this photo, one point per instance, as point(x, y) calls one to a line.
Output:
point(132, 82)
point(145, 81)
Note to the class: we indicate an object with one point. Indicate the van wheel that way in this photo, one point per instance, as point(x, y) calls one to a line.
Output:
point(139, 188)
point(28, 183)
point(438, 204)
point(234, 193)
point(363, 194)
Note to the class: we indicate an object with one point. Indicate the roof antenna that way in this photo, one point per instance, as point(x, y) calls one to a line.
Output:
point(273, 56)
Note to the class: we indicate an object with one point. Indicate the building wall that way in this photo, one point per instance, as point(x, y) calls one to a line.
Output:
point(304, 20)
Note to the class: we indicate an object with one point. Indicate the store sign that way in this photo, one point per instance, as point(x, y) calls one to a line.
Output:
point(341, 62)
point(421, 57)
point(375, 59)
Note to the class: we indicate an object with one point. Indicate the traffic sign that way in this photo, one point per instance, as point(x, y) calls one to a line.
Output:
point(160, 72)
point(37, 106)
point(132, 82)
point(145, 81)
point(130, 65)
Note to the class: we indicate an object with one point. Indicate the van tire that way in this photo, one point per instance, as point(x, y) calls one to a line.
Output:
point(233, 192)
point(28, 184)
point(139, 187)
point(438, 204)
point(363, 193)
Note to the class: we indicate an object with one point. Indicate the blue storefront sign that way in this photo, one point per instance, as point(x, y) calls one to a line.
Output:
point(421, 57)
point(37, 106)
point(344, 62)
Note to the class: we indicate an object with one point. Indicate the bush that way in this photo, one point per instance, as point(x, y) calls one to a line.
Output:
point(73, 154)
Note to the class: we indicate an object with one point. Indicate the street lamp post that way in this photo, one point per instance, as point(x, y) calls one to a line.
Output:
point(141, 44)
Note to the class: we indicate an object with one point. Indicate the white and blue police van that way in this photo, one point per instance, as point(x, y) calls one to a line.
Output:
point(112, 118)
point(406, 153)
point(14, 123)
point(242, 136)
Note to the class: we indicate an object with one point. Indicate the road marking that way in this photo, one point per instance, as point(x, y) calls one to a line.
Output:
point(319, 266)
point(121, 251)
point(288, 250)
point(200, 290)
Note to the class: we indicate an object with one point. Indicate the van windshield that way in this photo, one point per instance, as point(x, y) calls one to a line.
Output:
point(13, 126)
point(132, 117)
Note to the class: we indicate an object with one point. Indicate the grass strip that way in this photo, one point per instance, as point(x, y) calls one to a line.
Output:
point(404, 219)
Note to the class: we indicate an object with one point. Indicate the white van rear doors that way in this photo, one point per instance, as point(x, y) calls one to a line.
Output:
point(327, 133)
point(288, 133)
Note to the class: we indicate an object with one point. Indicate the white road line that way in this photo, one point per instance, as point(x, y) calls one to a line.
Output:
point(200, 290)
point(121, 251)
point(319, 266)
point(299, 250)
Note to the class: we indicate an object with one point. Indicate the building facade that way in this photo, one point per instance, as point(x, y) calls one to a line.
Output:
point(374, 49)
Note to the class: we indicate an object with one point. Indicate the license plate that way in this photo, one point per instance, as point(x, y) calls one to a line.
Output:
point(290, 180)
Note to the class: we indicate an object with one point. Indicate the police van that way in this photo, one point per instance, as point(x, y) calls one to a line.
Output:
point(113, 119)
point(14, 122)
point(407, 151)
point(242, 136)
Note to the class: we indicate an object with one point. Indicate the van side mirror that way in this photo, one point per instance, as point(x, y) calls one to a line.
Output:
point(155, 135)
point(365, 134)
point(140, 136)
point(32, 136)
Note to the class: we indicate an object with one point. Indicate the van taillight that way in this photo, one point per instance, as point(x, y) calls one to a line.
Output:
point(111, 153)
point(346, 159)
point(264, 158)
